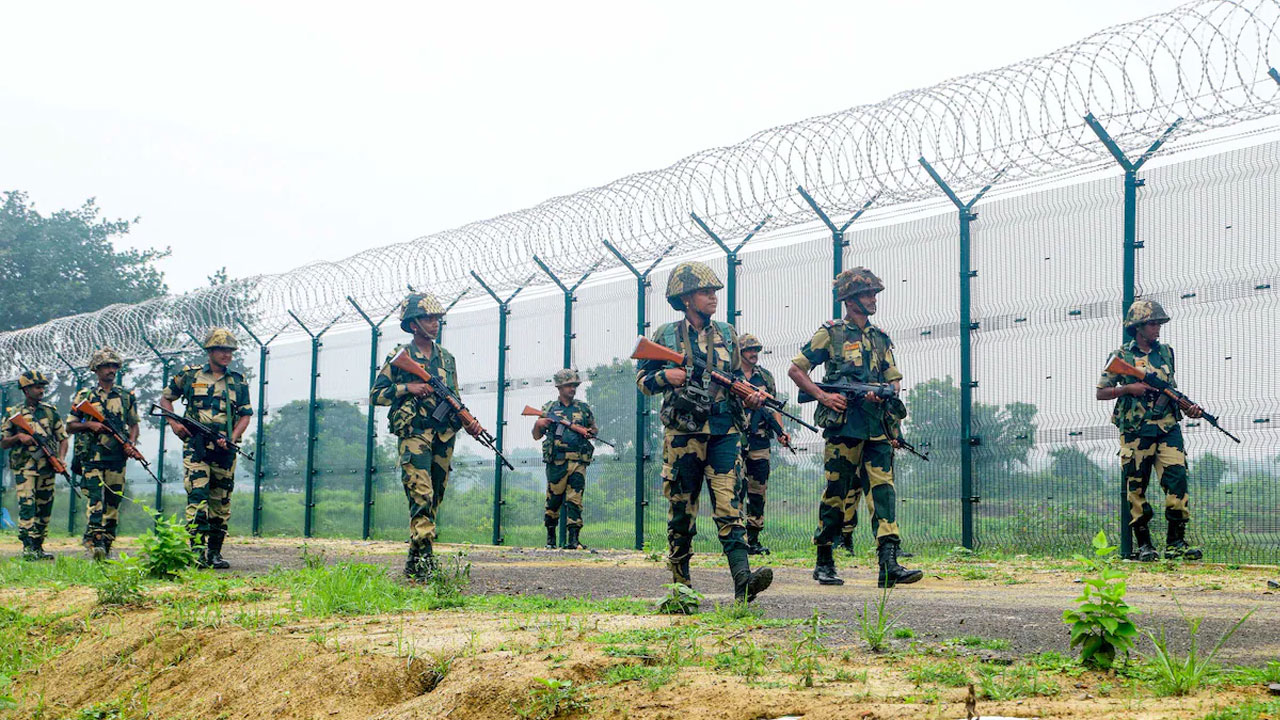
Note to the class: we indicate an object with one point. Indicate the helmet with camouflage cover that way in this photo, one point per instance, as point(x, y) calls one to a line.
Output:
point(104, 356)
point(855, 281)
point(220, 338)
point(1142, 312)
point(418, 304)
point(566, 376)
point(690, 277)
point(747, 341)
point(30, 378)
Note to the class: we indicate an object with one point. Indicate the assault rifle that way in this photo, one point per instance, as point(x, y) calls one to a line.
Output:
point(86, 408)
point(856, 390)
point(775, 426)
point(584, 432)
point(647, 349)
point(199, 431)
point(1117, 366)
point(21, 422)
point(448, 404)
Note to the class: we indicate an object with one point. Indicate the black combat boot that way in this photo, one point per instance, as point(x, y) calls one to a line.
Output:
point(27, 553)
point(1144, 552)
point(753, 543)
point(571, 541)
point(891, 573)
point(551, 537)
point(37, 550)
point(1176, 546)
point(214, 558)
point(747, 584)
point(825, 569)
point(846, 542)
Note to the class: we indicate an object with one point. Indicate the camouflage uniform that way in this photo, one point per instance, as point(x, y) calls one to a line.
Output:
point(425, 443)
point(33, 475)
point(1151, 437)
point(101, 458)
point(209, 471)
point(567, 455)
point(700, 446)
point(757, 439)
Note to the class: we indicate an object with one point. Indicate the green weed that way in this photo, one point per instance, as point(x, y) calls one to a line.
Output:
point(1012, 683)
point(551, 699)
point(1100, 623)
point(948, 674)
point(1174, 675)
point(120, 581)
point(1251, 710)
point(166, 549)
point(876, 621)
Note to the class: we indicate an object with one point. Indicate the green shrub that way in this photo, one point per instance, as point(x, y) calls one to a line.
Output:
point(1100, 623)
point(121, 581)
point(166, 549)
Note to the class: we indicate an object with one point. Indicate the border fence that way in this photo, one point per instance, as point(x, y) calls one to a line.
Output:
point(1013, 215)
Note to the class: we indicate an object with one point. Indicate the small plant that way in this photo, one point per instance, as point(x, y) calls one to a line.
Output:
point(806, 651)
point(904, 633)
point(121, 581)
point(312, 560)
point(1012, 683)
point(935, 673)
point(1100, 623)
point(166, 551)
point(875, 622)
point(1252, 710)
point(551, 699)
point(977, 641)
point(651, 553)
point(1180, 676)
point(451, 578)
point(680, 600)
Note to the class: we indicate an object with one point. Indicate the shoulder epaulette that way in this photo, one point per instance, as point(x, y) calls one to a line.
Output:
point(832, 323)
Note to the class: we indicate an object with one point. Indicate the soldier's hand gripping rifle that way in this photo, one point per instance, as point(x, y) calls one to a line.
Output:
point(857, 391)
point(783, 438)
point(21, 422)
point(584, 432)
point(647, 349)
point(448, 404)
point(87, 409)
point(201, 432)
point(1117, 366)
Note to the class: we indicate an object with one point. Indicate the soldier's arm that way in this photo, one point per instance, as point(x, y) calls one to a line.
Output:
point(131, 420)
point(651, 375)
point(540, 425)
point(1112, 386)
point(9, 434)
point(60, 432)
point(815, 352)
point(172, 392)
point(384, 390)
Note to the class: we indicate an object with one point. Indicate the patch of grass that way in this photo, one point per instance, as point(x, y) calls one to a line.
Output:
point(876, 621)
point(120, 581)
point(904, 633)
point(640, 636)
point(350, 589)
point(26, 642)
point(134, 705)
point(744, 658)
point(551, 699)
point(62, 572)
point(652, 677)
point(947, 674)
point(1269, 673)
point(977, 641)
point(1056, 662)
point(974, 573)
point(585, 605)
point(807, 650)
point(1174, 675)
point(1014, 682)
point(1252, 710)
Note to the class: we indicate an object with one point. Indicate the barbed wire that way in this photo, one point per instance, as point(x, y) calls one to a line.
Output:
point(1204, 62)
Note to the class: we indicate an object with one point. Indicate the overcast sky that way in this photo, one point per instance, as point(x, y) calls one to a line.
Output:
point(262, 136)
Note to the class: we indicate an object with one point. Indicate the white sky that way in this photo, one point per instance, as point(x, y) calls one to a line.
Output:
point(262, 136)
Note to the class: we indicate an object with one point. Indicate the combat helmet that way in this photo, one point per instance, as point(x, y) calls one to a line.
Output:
point(219, 337)
point(566, 376)
point(418, 304)
point(30, 378)
point(855, 281)
point(104, 356)
point(1142, 312)
point(747, 341)
point(690, 277)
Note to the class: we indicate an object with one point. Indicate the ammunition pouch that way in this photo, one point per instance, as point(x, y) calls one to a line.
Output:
point(687, 408)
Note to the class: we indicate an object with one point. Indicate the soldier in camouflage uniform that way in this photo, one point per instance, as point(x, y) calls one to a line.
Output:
point(757, 437)
point(425, 442)
point(1151, 437)
point(100, 457)
point(217, 396)
point(859, 449)
point(703, 424)
point(32, 473)
point(567, 455)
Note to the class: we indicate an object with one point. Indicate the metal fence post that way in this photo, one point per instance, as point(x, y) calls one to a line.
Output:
point(259, 437)
point(312, 435)
point(71, 491)
point(732, 262)
point(504, 309)
point(160, 424)
point(968, 441)
point(370, 464)
point(838, 243)
point(4, 454)
point(642, 400)
point(1131, 245)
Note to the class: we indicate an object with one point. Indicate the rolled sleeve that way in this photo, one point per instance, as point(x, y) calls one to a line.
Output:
point(815, 352)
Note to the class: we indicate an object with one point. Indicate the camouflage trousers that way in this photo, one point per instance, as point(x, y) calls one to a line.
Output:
point(208, 484)
point(753, 486)
point(105, 488)
point(857, 469)
point(566, 481)
point(425, 461)
point(35, 502)
point(858, 491)
point(688, 461)
point(1139, 455)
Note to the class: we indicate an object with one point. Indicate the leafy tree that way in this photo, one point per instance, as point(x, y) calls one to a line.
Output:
point(1007, 432)
point(612, 396)
point(1208, 471)
point(64, 263)
point(1070, 463)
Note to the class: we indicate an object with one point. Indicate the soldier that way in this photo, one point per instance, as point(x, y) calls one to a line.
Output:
point(859, 448)
point(32, 473)
point(1150, 436)
point(217, 396)
point(567, 454)
point(100, 457)
point(762, 425)
point(425, 442)
point(703, 424)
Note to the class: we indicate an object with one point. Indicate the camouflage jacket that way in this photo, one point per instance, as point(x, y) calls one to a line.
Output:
point(560, 440)
point(1140, 414)
point(120, 408)
point(717, 346)
point(215, 401)
point(411, 415)
point(849, 353)
point(48, 423)
point(759, 430)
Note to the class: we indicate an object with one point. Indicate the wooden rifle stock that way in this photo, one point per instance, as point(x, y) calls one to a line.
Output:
point(532, 411)
point(1117, 366)
point(407, 364)
point(22, 423)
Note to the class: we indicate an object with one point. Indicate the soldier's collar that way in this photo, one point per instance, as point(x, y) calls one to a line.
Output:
point(1133, 345)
